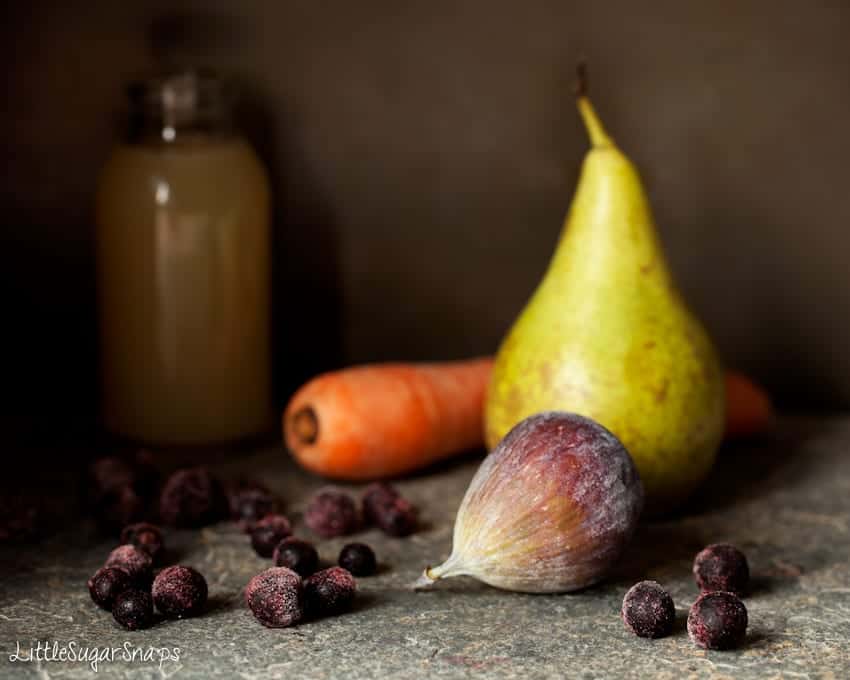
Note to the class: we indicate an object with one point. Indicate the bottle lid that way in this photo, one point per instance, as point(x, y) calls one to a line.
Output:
point(189, 100)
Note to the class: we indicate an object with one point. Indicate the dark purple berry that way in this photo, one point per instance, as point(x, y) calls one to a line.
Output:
point(298, 555)
point(135, 562)
point(109, 472)
point(387, 510)
point(398, 519)
point(179, 592)
point(276, 597)
point(721, 566)
point(332, 513)
point(329, 591)
point(376, 495)
point(268, 532)
point(192, 498)
point(250, 502)
point(145, 536)
point(115, 508)
point(648, 610)
point(107, 584)
point(717, 620)
point(133, 609)
point(358, 558)
point(118, 490)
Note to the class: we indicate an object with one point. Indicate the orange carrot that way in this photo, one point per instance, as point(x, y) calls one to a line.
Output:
point(384, 420)
point(748, 407)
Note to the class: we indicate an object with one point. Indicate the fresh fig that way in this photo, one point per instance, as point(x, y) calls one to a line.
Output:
point(549, 510)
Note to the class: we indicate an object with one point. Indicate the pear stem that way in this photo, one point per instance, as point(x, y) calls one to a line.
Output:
point(595, 130)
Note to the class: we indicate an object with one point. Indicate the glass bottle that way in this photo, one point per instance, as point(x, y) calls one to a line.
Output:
point(183, 259)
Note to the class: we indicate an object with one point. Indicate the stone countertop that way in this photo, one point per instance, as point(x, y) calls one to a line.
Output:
point(785, 502)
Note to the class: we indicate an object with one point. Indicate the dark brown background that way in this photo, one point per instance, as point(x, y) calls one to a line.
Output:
point(423, 155)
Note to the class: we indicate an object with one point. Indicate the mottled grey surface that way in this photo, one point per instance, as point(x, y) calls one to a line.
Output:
point(785, 502)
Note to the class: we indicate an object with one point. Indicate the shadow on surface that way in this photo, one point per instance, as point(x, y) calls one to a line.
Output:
point(655, 547)
point(744, 472)
point(223, 602)
point(444, 466)
point(747, 469)
point(363, 602)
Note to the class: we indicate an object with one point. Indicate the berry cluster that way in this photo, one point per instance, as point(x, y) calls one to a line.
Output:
point(121, 493)
point(718, 618)
point(293, 590)
point(126, 585)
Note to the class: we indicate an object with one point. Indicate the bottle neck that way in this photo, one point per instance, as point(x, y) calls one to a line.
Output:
point(185, 107)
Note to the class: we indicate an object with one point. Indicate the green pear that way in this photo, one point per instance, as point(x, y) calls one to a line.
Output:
point(607, 335)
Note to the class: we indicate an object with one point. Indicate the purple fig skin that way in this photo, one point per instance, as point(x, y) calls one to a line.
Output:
point(549, 510)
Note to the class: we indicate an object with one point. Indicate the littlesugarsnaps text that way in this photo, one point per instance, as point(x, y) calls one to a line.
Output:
point(73, 652)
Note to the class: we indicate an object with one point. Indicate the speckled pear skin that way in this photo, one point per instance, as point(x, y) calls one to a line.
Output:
point(607, 334)
point(549, 510)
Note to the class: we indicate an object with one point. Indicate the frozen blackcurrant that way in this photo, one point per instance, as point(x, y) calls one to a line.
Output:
point(133, 609)
point(107, 584)
point(268, 532)
point(358, 558)
point(192, 498)
point(332, 513)
point(116, 507)
point(384, 507)
point(648, 610)
point(179, 592)
point(276, 597)
point(250, 502)
point(118, 490)
point(721, 566)
point(298, 555)
point(717, 620)
point(135, 562)
point(145, 536)
point(329, 591)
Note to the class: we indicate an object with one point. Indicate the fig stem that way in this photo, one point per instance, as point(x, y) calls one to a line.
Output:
point(433, 574)
point(425, 581)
